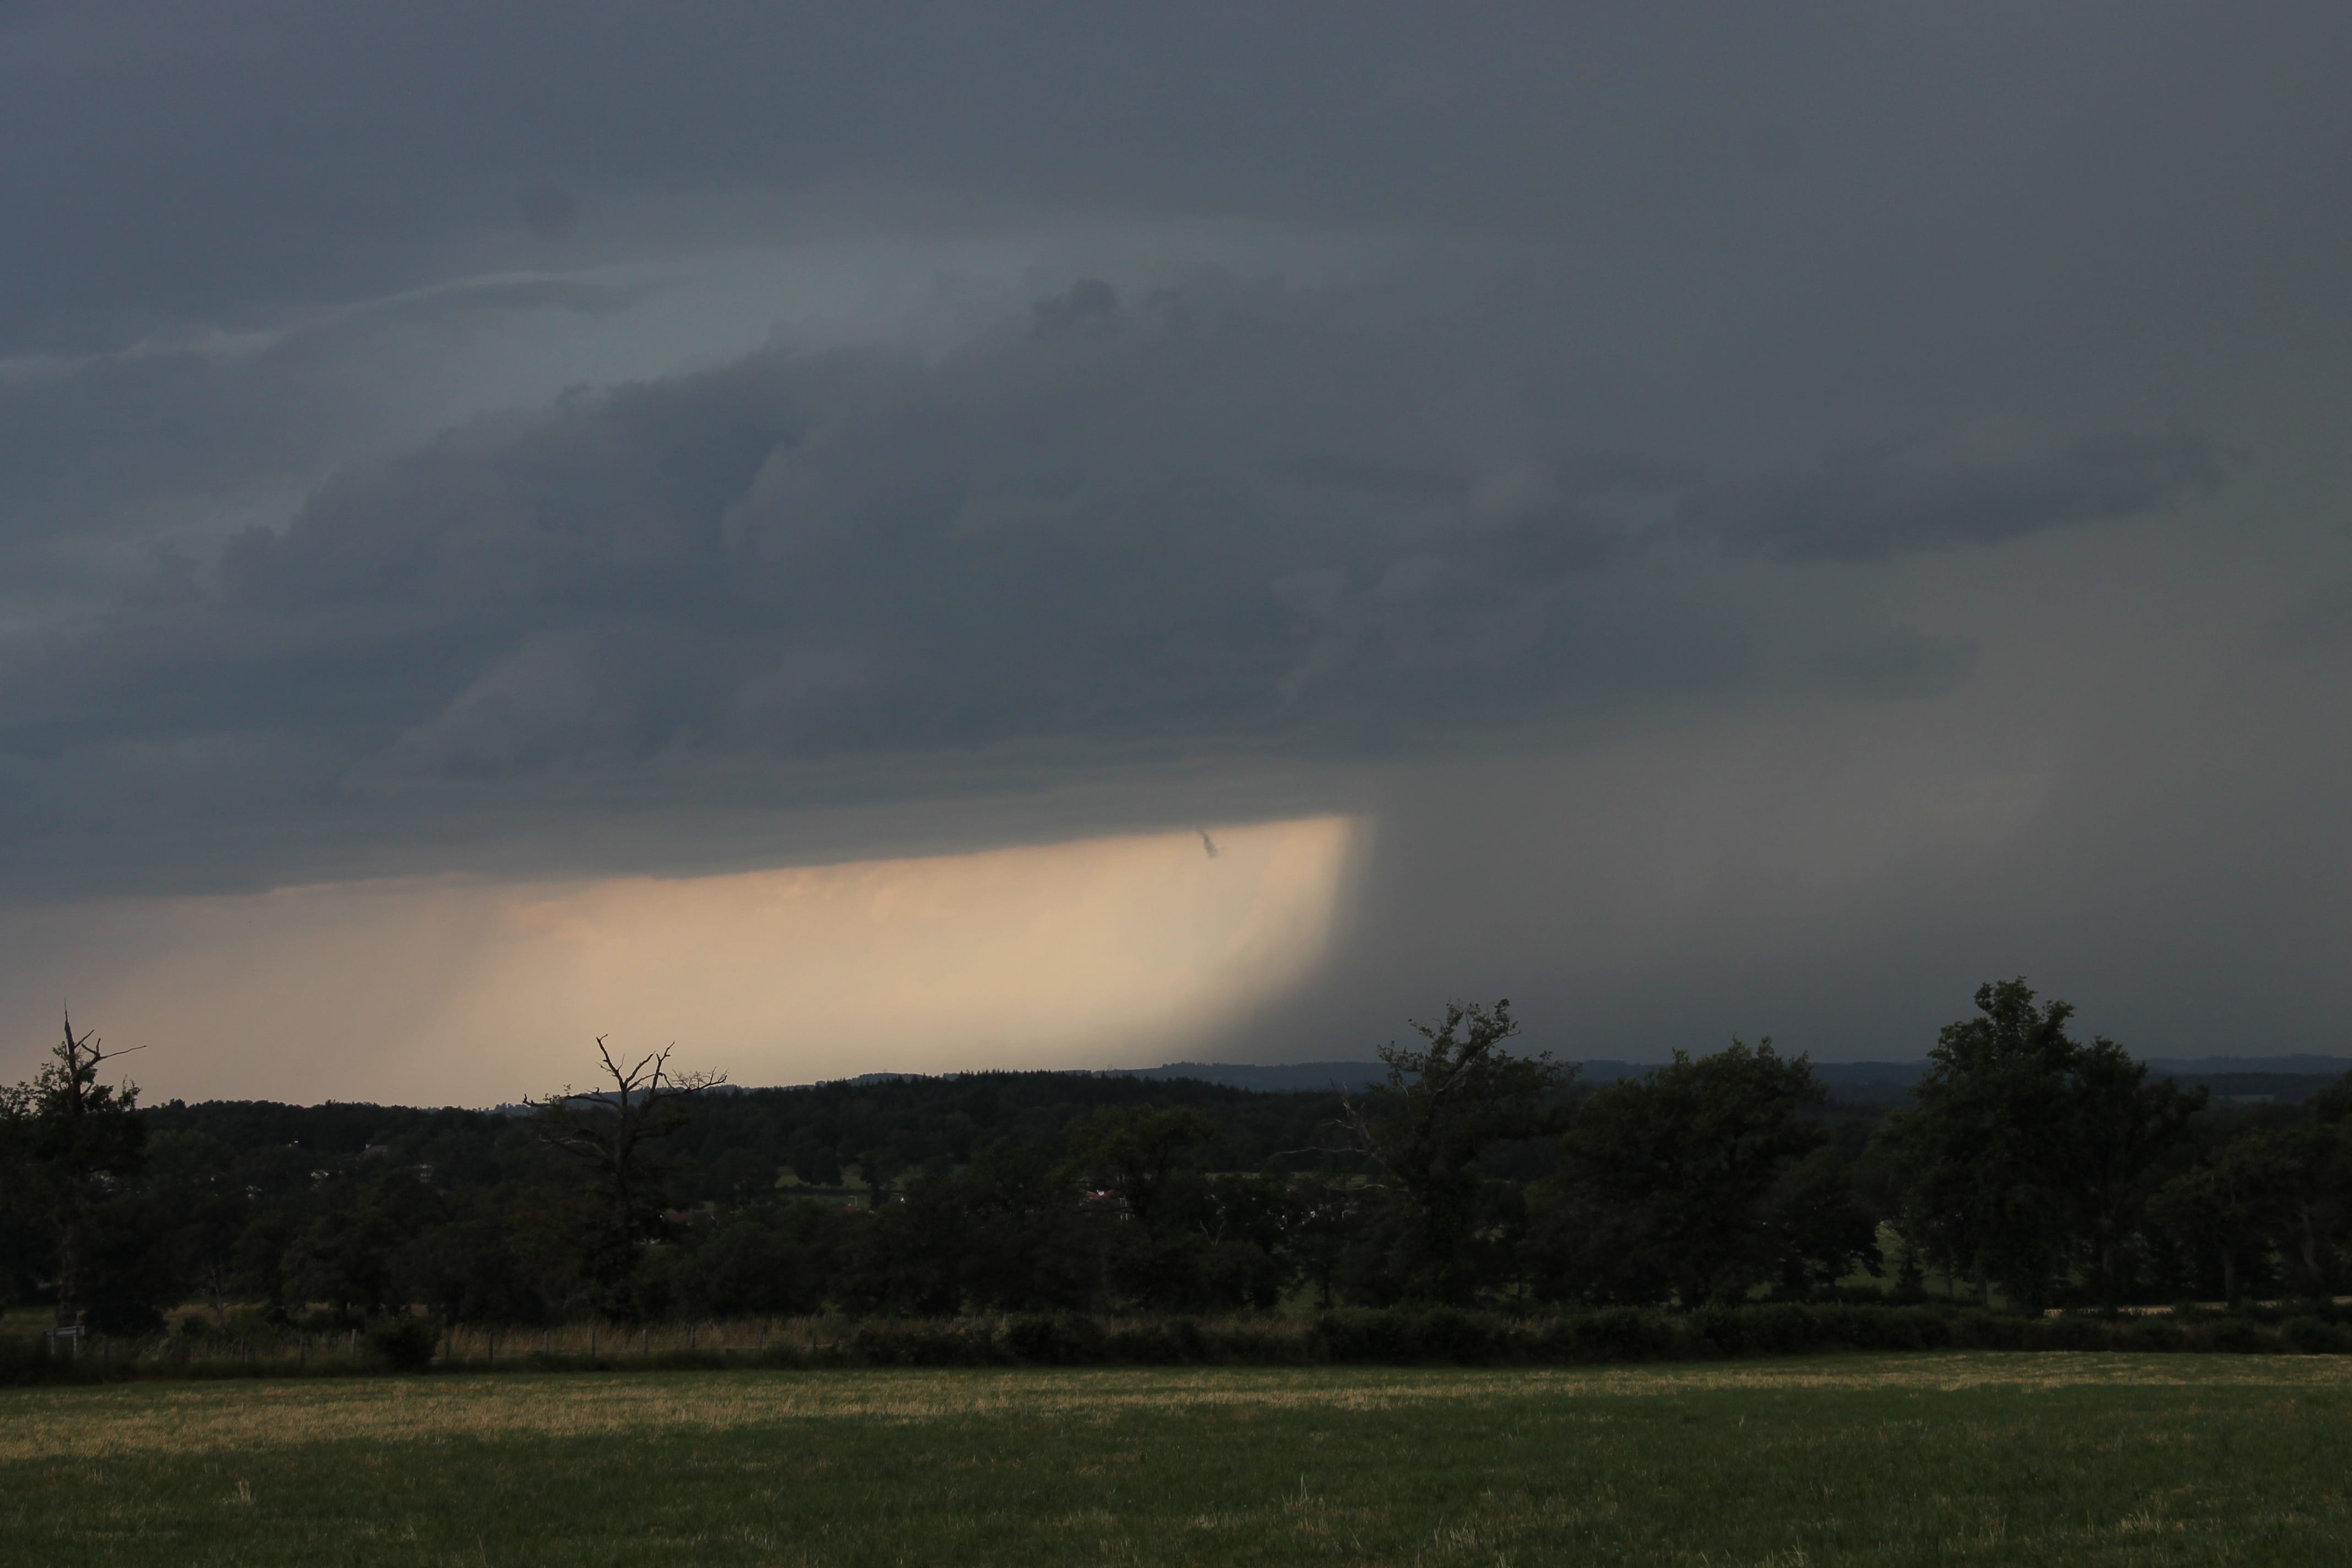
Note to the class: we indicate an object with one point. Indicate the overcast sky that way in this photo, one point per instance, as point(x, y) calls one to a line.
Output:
point(1700, 517)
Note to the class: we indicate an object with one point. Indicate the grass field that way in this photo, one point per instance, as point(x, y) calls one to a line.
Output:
point(1943, 1458)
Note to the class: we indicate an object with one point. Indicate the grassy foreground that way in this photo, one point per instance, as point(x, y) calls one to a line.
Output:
point(1938, 1458)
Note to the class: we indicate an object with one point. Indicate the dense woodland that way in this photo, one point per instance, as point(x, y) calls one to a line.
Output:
point(2027, 1168)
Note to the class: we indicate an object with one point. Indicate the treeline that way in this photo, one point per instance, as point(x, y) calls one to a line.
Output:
point(1411, 1335)
point(2027, 1169)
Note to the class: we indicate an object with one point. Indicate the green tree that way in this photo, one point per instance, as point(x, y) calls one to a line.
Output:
point(1822, 1227)
point(1448, 1102)
point(1029, 1242)
point(2229, 1203)
point(132, 1272)
point(1244, 1217)
point(356, 1257)
point(468, 1269)
point(1320, 1220)
point(2025, 1156)
point(2276, 1190)
point(2126, 1136)
point(749, 1265)
point(1139, 1152)
point(906, 1259)
point(1700, 1169)
point(70, 1145)
point(1979, 1155)
point(1010, 1232)
point(257, 1262)
point(193, 1177)
point(1157, 1253)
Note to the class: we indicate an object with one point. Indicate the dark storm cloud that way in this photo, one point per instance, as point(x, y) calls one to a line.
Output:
point(1858, 507)
point(2317, 624)
point(549, 210)
point(1339, 390)
point(129, 449)
point(1238, 519)
point(1924, 164)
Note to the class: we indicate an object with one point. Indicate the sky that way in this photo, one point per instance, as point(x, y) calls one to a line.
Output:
point(941, 536)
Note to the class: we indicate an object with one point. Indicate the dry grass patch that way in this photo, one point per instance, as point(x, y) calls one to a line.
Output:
point(198, 1417)
point(1946, 1458)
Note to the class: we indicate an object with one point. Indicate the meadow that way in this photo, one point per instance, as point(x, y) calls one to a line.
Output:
point(1943, 1457)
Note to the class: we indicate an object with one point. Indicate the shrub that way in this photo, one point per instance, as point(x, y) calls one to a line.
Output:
point(1778, 1328)
point(888, 1342)
point(1054, 1339)
point(1406, 1334)
point(24, 1361)
point(1177, 1342)
point(2071, 1332)
point(2314, 1336)
point(1620, 1333)
point(406, 1344)
point(2227, 1335)
point(1450, 1335)
point(1975, 1329)
point(2152, 1334)
point(1714, 1328)
point(1875, 1327)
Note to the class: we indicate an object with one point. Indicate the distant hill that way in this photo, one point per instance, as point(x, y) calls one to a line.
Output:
point(1288, 1076)
point(1886, 1079)
point(2286, 1078)
point(2298, 1066)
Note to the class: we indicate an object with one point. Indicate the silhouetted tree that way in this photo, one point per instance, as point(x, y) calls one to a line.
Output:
point(1698, 1172)
point(1822, 1228)
point(2029, 1160)
point(204, 1207)
point(357, 1257)
point(2024, 1154)
point(1159, 1252)
point(1029, 1242)
point(613, 1133)
point(1980, 1154)
point(2278, 1188)
point(471, 1269)
point(1139, 1151)
point(908, 1260)
point(71, 1145)
point(1320, 1221)
point(1008, 1233)
point(1420, 1135)
point(2126, 1135)
point(780, 1263)
point(2228, 1205)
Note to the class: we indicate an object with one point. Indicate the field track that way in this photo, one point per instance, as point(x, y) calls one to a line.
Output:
point(1962, 1458)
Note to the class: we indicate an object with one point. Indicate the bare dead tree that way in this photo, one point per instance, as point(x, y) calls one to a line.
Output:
point(612, 1132)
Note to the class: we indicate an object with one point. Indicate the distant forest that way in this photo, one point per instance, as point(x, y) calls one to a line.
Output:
point(2024, 1167)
